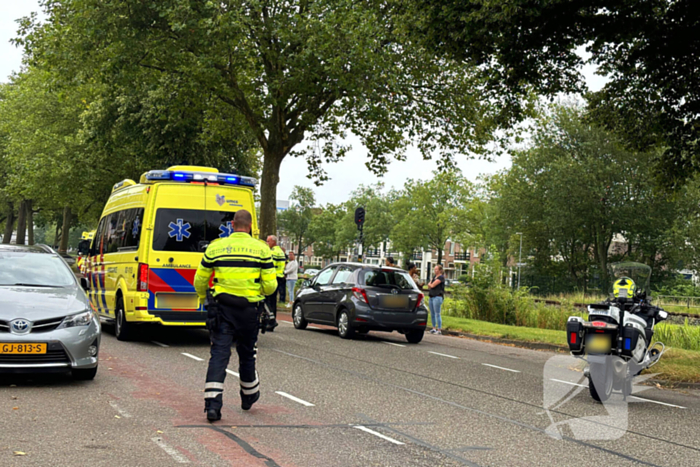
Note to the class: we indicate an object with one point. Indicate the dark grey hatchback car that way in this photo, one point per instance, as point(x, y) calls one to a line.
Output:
point(358, 298)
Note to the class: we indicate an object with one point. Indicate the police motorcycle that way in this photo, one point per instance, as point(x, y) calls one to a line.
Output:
point(615, 340)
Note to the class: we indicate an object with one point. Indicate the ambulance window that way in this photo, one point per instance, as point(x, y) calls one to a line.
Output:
point(179, 229)
point(114, 232)
point(219, 224)
point(133, 222)
point(97, 242)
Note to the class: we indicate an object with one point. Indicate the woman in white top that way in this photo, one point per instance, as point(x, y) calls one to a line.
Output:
point(290, 270)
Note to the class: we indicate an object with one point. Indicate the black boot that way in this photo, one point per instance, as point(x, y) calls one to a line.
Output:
point(271, 327)
point(213, 415)
point(248, 401)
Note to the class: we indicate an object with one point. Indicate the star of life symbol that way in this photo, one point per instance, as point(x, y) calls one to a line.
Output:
point(178, 230)
point(136, 227)
point(226, 229)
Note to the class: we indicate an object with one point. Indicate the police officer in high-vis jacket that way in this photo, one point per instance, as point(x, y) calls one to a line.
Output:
point(279, 259)
point(243, 275)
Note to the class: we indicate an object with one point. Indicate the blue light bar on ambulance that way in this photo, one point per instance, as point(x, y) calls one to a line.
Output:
point(223, 179)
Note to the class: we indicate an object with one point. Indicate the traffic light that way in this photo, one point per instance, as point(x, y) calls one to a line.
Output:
point(360, 217)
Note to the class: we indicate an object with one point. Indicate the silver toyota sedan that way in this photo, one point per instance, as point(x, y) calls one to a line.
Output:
point(46, 322)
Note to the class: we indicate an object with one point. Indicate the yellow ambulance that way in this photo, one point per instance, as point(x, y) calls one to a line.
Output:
point(151, 238)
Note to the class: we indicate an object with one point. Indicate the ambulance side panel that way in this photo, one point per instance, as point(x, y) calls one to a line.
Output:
point(116, 250)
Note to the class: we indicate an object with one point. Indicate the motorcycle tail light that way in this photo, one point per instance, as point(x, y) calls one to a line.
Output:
point(572, 338)
point(599, 324)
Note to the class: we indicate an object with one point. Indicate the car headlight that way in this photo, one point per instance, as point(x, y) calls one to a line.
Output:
point(81, 319)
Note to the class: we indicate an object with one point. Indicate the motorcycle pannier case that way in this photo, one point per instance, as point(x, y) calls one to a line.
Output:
point(575, 335)
point(630, 336)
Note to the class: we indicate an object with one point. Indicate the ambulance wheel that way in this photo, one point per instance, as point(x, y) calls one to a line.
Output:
point(123, 330)
point(602, 374)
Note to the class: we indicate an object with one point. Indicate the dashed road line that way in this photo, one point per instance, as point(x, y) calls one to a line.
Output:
point(658, 402)
point(160, 344)
point(295, 399)
point(192, 357)
point(285, 322)
point(501, 368)
point(174, 453)
point(375, 433)
point(119, 410)
point(393, 343)
point(443, 354)
point(569, 383)
point(231, 372)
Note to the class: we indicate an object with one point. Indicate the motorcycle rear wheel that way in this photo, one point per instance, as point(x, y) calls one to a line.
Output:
point(602, 374)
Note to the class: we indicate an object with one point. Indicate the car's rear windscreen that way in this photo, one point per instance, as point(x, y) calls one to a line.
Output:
point(189, 230)
point(38, 269)
point(387, 278)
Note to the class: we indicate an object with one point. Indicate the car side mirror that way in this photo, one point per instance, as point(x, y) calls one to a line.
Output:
point(306, 283)
point(85, 283)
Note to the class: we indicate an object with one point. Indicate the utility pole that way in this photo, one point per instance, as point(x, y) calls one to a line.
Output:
point(520, 256)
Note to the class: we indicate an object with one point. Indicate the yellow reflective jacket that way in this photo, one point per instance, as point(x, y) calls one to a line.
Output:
point(279, 258)
point(242, 267)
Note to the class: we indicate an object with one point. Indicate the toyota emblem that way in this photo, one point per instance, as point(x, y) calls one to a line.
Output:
point(19, 326)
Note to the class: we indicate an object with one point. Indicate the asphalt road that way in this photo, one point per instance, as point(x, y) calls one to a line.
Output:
point(376, 400)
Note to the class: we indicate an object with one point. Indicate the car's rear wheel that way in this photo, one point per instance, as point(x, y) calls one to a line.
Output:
point(123, 330)
point(414, 337)
point(298, 317)
point(345, 329)
point(84, 375)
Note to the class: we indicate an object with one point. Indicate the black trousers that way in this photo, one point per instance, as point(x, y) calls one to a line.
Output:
point(282, 288)
point(238, 324)
point(271, 301)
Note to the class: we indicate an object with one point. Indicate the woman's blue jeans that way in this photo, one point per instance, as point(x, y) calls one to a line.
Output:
point(435, 304)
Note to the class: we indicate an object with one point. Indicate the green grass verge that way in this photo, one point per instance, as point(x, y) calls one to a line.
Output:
point(676, 365)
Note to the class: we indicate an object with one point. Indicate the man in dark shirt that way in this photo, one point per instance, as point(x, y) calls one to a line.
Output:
point(390, 262)
point(436, 293)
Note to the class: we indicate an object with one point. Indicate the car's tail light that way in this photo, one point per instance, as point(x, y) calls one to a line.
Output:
point(142, 280)
point(360, 294)
point(420, 300)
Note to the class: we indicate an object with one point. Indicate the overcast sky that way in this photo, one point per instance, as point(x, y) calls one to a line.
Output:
point(344, 176)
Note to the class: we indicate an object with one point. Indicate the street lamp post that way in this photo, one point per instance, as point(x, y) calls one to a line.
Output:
point(520, 256)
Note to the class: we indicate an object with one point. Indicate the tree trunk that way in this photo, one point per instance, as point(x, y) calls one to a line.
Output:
point(56, 235)
point(9, 223)
point(30, 222)
point(65, 230)
point(268, 193)
point(22, 223)
point(299, 250)
point(439, 261)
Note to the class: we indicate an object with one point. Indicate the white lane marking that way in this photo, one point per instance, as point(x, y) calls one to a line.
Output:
point(285, 322)
point(314, 327)
point(192, 357)
point(230, 372)
point(119, 410)
point(569, 383)
point(295, 399)
point(160, 344)
point(174, 453)
point(367, 430)
point(501, 368)
point(392, 343)
point(443, 354)
point(657, 402)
